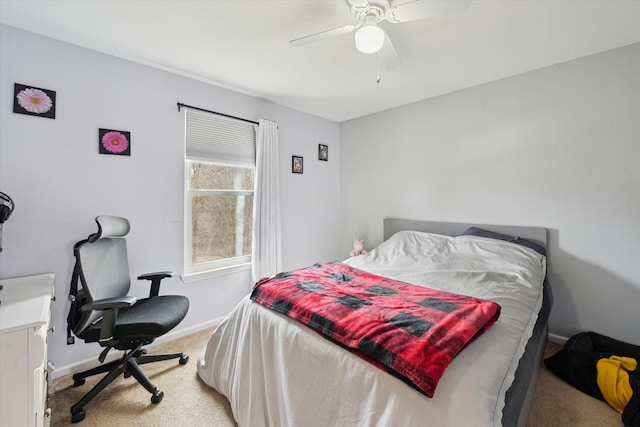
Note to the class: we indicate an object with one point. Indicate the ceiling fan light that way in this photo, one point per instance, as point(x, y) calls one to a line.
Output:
point(369, 39)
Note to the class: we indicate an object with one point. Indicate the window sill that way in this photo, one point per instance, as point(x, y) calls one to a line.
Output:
point(207, 274)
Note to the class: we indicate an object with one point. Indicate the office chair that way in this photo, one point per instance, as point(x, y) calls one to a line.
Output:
point(103, 312)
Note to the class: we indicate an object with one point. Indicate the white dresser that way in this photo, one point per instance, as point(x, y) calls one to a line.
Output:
point(24, 324)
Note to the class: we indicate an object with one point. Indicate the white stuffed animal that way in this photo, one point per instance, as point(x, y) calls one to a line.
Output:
point(358, 247)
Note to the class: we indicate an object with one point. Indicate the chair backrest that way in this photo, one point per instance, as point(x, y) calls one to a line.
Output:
point(102, 266)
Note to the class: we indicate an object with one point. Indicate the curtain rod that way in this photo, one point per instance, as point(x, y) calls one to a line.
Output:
point(180, 104)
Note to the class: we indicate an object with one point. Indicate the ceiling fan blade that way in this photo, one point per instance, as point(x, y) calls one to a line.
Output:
point(401, 11)
point(359, 3)
point(389, 55)
point(323, 35)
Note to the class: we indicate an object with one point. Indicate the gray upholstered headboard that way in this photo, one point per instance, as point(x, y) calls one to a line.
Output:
point(393, 225)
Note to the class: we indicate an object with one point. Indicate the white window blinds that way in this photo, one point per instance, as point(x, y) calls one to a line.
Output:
point(209, 136)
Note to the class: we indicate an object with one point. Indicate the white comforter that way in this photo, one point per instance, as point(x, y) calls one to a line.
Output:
point(277, 372)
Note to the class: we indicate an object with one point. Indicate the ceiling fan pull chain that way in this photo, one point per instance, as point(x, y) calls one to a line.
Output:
point(379, 78)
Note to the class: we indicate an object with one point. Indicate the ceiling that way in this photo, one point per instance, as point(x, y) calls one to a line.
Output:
point(244, 45)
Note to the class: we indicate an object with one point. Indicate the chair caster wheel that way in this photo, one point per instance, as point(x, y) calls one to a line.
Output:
point(78, 382)
point(157, 396)
point(184, 359)
point(76, 417)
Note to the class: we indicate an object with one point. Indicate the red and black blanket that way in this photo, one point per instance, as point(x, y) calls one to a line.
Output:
point(412, 331)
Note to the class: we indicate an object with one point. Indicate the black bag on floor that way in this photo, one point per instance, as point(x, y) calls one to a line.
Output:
point(577, 364)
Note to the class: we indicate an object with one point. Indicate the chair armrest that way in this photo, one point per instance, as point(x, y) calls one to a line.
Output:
point(156, 278)
point(110, 307)
point(110, 303)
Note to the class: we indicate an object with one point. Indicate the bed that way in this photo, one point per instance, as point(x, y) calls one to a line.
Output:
point(278, 372)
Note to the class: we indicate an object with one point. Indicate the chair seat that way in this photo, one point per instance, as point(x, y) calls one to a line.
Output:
point(146, 320)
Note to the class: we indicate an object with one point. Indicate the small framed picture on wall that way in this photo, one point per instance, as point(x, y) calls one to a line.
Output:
point(323, 152)
point(296, 164)
point(34, 101)
point(117, 142)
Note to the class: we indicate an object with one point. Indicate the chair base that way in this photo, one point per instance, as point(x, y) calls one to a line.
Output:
point(129, 365)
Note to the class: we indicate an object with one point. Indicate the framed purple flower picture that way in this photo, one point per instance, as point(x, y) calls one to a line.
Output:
point(116, 142)
point(34, 101)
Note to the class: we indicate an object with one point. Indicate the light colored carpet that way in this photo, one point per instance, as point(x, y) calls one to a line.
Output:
point(189, 402)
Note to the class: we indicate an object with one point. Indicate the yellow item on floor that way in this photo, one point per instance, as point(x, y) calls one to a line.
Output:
point(613, 380)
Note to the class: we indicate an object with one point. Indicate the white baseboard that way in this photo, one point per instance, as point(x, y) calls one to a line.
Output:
point(92, 363)
point(558, 339)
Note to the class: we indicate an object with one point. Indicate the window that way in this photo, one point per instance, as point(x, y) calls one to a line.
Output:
point(219, 188)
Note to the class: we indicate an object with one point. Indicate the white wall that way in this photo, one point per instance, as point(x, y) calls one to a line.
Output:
point(558, 147)
point(59, 182)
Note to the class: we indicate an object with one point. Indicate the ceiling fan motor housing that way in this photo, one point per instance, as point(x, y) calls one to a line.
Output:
point(367, 12)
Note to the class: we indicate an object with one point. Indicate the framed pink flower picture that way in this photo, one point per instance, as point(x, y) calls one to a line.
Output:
point(116, 142)
point(34, 101)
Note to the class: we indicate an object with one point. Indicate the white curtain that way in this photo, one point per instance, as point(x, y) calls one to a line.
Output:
point(266, 255)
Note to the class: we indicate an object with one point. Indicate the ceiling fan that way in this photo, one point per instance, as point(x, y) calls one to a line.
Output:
point(370, 38)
